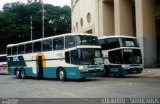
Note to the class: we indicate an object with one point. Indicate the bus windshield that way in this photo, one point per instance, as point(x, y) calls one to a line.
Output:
point(85, 56)
point(90, 56)
point(86, 40)
point(129, 42)
point(132, 56)
point(125, 56)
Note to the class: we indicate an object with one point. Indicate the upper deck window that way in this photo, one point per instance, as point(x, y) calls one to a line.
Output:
point(28, 48)
point(86, 40)
point(21, 49)
point(58, 43)
point(69, 42)
point(37, 46)
point(129, 42)
point(47, 45)
point(9, 51)
point(14, 50)
point(109, 43)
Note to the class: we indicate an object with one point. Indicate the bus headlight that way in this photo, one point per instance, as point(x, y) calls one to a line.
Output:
point(83, 69)
point(125, 66)
point(141, 66)
point(102, 67)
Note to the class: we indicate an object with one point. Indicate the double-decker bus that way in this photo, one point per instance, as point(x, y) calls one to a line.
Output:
point(3, 64)
point(66, 56)
point(122, 55)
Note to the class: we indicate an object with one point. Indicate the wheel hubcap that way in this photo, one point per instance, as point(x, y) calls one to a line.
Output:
point(61, 74)
point(17, 73)
point(22, 74)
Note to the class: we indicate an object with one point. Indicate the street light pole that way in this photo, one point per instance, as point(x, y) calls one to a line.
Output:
point(43, 19)
point(31, 27)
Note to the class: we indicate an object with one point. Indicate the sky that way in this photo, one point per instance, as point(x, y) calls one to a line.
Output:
point(53, 2)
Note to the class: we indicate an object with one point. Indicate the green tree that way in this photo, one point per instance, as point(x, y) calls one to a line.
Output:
point(15, 22)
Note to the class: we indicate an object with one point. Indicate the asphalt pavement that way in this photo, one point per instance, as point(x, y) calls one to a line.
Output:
point(145, 85)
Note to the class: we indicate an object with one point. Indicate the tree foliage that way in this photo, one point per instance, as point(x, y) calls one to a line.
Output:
point(15, 21)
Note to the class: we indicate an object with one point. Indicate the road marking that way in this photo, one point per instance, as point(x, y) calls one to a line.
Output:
point(66, 93)
point(72, 95)
point(132, 84)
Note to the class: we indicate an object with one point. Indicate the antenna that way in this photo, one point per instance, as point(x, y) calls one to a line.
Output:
point(42, 19)
point(31, 26)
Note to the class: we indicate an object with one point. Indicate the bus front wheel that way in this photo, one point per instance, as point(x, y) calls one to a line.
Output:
point(62, 74)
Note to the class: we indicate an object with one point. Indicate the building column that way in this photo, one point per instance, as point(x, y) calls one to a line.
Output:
point(106, 17)
point(146, 30)
point(123, 17)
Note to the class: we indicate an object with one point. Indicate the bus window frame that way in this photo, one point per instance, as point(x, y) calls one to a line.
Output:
point(13, 50)
point(34, 51)
point(23, 49)
point(10, 51)
point(70, 38)
point(43, 45)
point(26, 52)
point(63, 43)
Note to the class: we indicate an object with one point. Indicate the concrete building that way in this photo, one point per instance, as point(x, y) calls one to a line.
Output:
point(139, 18)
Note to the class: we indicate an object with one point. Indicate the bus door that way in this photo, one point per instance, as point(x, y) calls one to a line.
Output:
point(40, 66)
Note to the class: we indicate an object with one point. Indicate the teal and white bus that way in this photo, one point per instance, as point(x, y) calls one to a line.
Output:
point(66, 56)
point(122, 55)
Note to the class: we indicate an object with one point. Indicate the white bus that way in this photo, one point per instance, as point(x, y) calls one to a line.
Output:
point(3, 64)
point(122, 55)
point(67, 56)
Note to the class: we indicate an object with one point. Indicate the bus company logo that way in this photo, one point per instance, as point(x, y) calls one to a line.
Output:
point(15, 58)
point(9, 101)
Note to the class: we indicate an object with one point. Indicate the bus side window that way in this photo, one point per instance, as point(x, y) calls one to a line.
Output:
point(74, 57)
point(112, 43)
point(103, 44)
point(9, 52)
point(28, 48)
point(3, 59)
point(14, 50)
point(58, 43)
point(69, 42)
point(47, 45)
point(37, 46)
point(21, 49)
point(67, 57)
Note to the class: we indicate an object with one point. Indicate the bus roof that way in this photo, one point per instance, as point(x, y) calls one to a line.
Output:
point(1, 55)
point(116, 36)
point(62, 35)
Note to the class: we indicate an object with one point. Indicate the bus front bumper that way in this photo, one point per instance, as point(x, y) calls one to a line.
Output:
point(92, 74)
point(133, 71)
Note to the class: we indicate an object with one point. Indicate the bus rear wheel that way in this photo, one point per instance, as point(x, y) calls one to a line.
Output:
point(23, 74)
point(62, 74)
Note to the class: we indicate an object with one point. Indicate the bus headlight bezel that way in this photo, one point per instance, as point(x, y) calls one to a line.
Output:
point(126, 67)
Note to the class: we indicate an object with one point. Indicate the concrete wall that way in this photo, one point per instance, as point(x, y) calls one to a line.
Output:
point(80, 11)
point(146, 31)
point(117, 17)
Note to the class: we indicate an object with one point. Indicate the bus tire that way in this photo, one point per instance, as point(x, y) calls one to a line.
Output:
point(23, 74)
point(17, 73)
point(62, 74)
point(121, 76)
